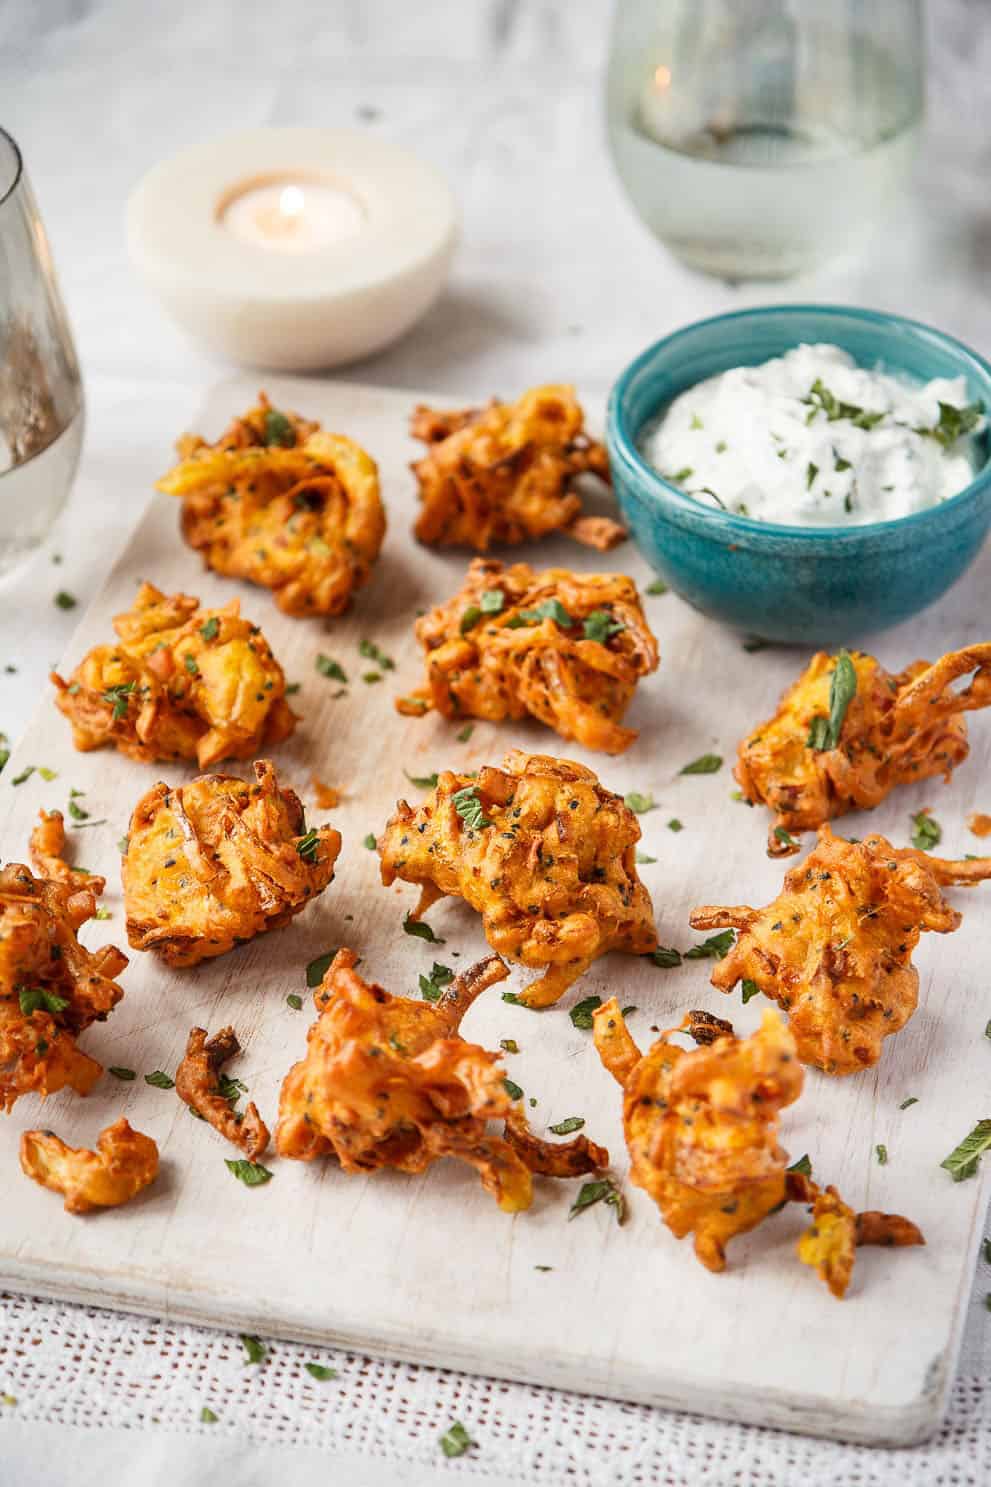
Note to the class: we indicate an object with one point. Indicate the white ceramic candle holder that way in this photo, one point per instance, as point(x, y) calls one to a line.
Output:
point(294, 249)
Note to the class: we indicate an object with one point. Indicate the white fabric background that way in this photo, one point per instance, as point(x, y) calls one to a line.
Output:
point(555, 280)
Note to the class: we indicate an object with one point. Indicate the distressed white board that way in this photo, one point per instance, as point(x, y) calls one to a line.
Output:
point(429, 1268)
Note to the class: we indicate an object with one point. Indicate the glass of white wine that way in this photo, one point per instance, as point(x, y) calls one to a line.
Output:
point(41, 396)
point(758, 137)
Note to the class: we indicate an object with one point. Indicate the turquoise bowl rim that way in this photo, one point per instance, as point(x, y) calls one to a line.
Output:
point(623, 446)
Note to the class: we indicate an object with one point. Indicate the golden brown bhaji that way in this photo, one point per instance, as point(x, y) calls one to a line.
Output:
point(701, 1126)
point(197, 1083)
point(125, 1161)
point(51, 987)
point(283, 504)
point(389, 1082)
point(834, 949)
point(182, 683)
point(506, 472)
point(565, 648)
point(219, 861)
point(890, 730)
point(542, 851)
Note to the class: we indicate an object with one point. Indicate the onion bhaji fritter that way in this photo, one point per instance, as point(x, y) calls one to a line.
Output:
point(218, 861)
point(834, 949)
point(125, 1161)
point(847, 732)
point(701, 1126)
point(283, 504)
point(198, 1083)
point(51, 987)
point(542, 851)
point(565, 648)
point(505, 473)
point(182, 683)
point(389, 1082)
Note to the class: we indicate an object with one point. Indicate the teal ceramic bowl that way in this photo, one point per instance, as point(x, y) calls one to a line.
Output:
point(803, 585)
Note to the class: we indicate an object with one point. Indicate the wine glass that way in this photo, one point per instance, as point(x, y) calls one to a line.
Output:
point(758, 138)
point(41, 396)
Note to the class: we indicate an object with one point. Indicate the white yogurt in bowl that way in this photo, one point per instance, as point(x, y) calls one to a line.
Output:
point(812, 439)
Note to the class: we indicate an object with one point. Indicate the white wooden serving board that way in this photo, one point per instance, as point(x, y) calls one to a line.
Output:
point(429, 1268)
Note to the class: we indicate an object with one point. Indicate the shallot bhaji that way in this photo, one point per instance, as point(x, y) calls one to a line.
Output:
point(284, 504)
point(389, 1082)
point(701, 1126)
point(506, 473)
point(834, 949)
point(182, 683)
point(125, 1161)
point(218, 861)
point(51, 987)
point(201, 1084)
point(848, 732)
point(542, 851)
point(565, 648)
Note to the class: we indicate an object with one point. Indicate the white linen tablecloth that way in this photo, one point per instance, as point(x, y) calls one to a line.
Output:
point(556, 280)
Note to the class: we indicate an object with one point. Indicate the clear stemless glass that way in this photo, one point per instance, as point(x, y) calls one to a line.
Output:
point(41, 396)
point(757, 137)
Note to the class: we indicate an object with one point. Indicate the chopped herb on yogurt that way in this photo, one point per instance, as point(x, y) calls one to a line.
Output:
point(889, 447)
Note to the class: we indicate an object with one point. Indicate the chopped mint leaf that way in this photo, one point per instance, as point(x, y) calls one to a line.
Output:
point(581, 1012)
point(714, 948)
point(926, 832)
point(278, 429)
point(420, 931)
point(327, 666)
point(318, 968)
point(704, 764)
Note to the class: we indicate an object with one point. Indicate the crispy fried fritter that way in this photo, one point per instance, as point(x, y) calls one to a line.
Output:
point(542, 851)
point(505, 473)
point(197, 1083)
point(565, 648)
point(124, 1162)
point(834, 949)
point(283, 504)
point(701, 1126)
point(219, 861)
point(183, 683)
point(51, 987)
point(893, 730)
point(389, 1082)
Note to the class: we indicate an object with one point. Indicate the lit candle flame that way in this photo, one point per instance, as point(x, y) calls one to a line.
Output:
point(291, 201)
point(662, 77)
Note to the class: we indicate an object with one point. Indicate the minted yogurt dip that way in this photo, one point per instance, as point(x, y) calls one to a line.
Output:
point(812, 439)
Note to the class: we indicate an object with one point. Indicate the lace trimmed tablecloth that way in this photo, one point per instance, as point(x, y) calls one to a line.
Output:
point(77, 1366)
point(555, 280)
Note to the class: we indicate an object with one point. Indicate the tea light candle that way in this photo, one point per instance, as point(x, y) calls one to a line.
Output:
point(294, 249)
point(293, 216)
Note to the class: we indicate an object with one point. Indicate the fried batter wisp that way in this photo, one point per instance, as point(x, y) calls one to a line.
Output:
point(283, 504)
point(388, 1082)
point(834, 949)
point(218, 861)
point(701, 1126)
point(183, 683)
point(505, 473)
point(51, 987)
point(197, 1083)
point(542, 851)
point(893, 730)
point(125, 1161)
point(565, 648)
